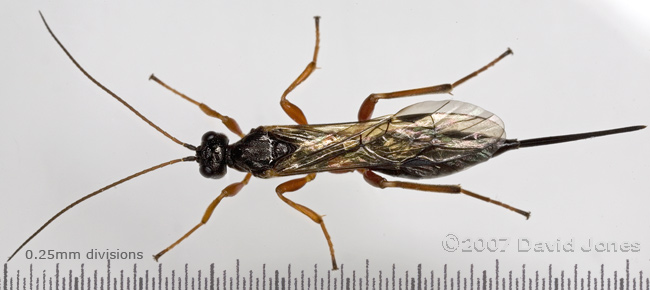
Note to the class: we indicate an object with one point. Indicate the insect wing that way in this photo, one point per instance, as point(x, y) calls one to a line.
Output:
point(455, 124)
point(455, 136)
point(433, 131)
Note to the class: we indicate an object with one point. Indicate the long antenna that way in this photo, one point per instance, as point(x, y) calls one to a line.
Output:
point(188, 146)
point(161, 165)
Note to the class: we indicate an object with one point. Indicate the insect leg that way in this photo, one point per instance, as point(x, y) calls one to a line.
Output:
point(368, 105)
point(378, 181)
point(292, 110)
point(230, 123)
point(298, 116)
point(230, 190)
point(293, 185)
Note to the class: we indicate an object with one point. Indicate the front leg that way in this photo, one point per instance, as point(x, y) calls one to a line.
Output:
point(230, 123)
point(230, 190)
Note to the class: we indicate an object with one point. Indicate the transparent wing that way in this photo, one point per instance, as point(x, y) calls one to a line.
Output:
point(433, 133)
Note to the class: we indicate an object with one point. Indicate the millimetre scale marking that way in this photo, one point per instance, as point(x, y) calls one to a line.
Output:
point(422, 280)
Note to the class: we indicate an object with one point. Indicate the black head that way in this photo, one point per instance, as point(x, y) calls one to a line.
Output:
point(211, 155)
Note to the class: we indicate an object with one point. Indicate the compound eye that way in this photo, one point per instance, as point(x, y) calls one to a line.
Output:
point(207, 137)
point(213, 171)
point(206, 171)
point(214, 139)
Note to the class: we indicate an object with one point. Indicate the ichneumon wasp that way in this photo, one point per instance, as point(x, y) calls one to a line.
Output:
point(424, 140)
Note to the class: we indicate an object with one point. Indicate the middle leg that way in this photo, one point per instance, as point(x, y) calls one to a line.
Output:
point(292, 110)
point(293, 185)
point(299, 117)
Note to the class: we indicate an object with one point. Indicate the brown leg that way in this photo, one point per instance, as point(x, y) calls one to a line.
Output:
point(230, 190)
point(378, 181)
point(292, 110)
point(299, 117)
point(229, 122)
point(368, 106)
point(293, 185)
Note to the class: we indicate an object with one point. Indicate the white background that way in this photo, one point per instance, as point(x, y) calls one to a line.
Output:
point(578, 66)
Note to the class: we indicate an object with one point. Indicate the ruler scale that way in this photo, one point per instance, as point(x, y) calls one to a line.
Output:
point(420, 280)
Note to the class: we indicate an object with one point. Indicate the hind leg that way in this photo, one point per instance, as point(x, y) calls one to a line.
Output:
point(368, 106)
point(378, 181)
